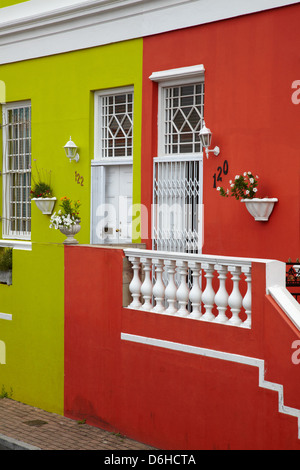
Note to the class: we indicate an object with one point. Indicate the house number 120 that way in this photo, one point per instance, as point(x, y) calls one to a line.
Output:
point(218, 176)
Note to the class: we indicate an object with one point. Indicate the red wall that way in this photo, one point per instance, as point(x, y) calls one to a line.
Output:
point(171, 399)
point(250, 65)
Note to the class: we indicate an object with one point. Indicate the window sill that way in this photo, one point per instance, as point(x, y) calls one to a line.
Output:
point(17, 244)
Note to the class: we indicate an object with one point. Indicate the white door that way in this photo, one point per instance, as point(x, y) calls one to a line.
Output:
point(111, 204)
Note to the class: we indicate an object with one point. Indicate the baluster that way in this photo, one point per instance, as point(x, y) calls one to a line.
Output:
point(195, 293)
point(135, 285)
point(235, 299)
point(183, 291)
point(208, 295)
point(171, 289)
point(146, 288)
point(159, 288)
point(221, 298)
point(247, 299)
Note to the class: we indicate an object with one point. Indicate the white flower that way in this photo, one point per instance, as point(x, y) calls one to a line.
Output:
point(245, 174)
point(247, 191)
point(237, 177)
point(218, 188)
point(230, 181)
point(249, 172)
point(251, 180)
point(232, 185)
point(255, 189)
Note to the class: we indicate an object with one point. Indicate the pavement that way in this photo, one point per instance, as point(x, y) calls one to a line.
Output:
point(23, 427)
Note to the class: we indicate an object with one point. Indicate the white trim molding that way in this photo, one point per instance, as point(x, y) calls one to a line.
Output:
point(194, 72)
point(246, 360)
point(5, 316)
point(38, 28)
point(287, 303)
point(16, 244)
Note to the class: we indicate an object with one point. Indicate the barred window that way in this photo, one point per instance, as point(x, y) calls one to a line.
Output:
point(16, 170)
point(183, 114)
point(115, 125)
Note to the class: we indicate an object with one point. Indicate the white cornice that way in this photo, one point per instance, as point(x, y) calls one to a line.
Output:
point(39, 28)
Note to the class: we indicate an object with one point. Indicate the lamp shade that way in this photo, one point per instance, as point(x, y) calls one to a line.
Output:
point(70, 149)
point(205, 136)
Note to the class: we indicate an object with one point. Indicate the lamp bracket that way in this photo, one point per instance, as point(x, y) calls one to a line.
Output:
point(215, 151)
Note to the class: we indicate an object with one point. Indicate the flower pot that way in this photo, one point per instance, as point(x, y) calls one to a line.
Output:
point(70, 232)
point(45, 204)
point(260, 209)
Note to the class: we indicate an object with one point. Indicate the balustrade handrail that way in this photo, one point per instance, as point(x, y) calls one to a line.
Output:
point(151, 292)
point(213, 259)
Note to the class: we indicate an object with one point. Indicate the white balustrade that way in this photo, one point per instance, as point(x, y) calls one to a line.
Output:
point(196, 292)
point(171, 289)
point(146, 287)
point(247, 299)
point(135, 285)
point(221, 298)
point(235, 300)
point(199, 287)
point(208, 296)
point(183, 291)
point(159, 287)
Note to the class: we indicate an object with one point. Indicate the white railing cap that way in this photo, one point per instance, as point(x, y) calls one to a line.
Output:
point(275, 270)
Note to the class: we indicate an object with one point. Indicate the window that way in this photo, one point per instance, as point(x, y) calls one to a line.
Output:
point(114, 124)
point(111, 184)
point(177, 184)
point(16, 170)
point(183, 111)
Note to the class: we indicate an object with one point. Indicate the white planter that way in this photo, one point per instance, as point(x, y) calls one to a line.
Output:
point(70, 232)
point(260, 209)
point(45, 204)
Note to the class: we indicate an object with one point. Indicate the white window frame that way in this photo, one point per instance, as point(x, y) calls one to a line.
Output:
point(98, 158)
point(165, 79)
point(99, 164)
point(7, 233)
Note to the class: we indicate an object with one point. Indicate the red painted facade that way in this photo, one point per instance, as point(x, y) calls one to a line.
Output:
point(250, 65)
point(172, 399)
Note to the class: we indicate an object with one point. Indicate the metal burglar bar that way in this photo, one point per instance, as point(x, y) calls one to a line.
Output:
point(177, 204)
point(17, 170)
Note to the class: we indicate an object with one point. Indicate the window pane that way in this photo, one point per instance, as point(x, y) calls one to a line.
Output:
point(116, 125)
point(183, 116)
point(17, 174)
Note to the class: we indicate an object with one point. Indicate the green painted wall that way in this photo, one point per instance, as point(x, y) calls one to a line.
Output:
point(61, 92)
point(8, 3)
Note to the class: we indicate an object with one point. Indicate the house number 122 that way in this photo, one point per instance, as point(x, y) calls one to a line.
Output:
point(218, 175)
point(79, 179)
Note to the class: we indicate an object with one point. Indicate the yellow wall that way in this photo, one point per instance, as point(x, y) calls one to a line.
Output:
point(61, 92)
point(8, 3)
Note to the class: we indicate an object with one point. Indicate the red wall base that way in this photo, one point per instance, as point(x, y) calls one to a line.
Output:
point(172, 399)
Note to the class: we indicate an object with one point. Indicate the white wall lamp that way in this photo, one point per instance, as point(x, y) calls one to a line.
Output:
point(71, 151)
point(205, 137)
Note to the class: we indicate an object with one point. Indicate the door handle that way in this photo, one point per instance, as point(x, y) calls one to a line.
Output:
point(117, 230)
